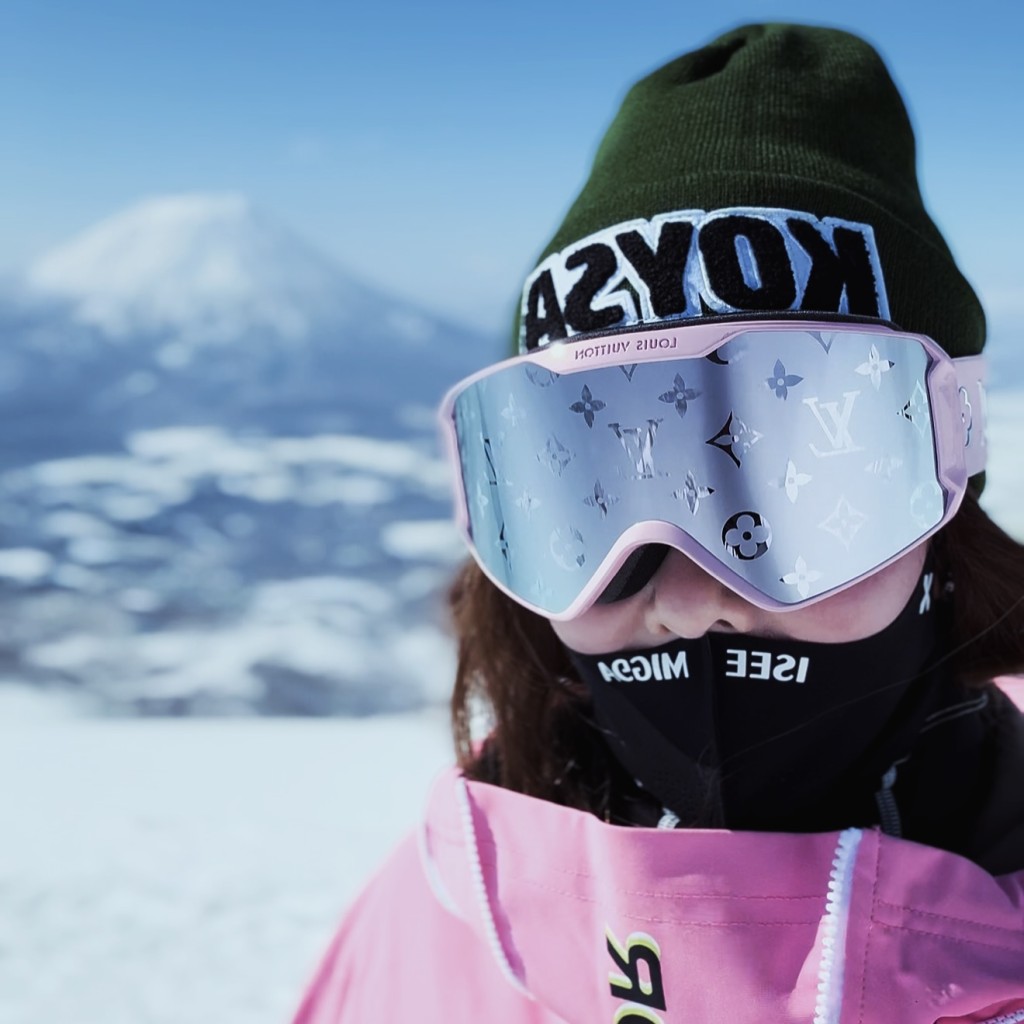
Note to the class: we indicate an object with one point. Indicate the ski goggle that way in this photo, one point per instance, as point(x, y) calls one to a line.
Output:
point(789, 459)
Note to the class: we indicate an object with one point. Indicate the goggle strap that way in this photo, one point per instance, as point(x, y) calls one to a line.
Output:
point(971, 372)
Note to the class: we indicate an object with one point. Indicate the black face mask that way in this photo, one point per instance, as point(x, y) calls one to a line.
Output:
point(743, 732)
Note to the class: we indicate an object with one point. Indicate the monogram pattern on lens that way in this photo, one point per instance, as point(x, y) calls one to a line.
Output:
point(747, 536)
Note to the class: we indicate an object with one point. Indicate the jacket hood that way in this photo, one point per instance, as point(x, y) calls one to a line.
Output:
point(596, 922)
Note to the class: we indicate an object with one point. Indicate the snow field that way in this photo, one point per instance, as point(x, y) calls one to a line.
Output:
point(185, 871)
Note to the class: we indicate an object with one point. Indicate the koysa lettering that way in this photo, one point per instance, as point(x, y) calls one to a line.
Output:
point(687, 262)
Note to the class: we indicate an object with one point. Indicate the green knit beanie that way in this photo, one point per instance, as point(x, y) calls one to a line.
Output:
point(773, 169)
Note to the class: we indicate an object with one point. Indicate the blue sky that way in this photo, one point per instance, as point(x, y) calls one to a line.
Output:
point(432, 146)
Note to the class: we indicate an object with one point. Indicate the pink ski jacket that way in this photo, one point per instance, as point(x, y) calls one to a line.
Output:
point(509, 910)
point(504, 909)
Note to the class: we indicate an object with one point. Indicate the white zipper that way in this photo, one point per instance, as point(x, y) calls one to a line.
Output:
point(476, 872)
point(829, 1003)
point(1009, 1018)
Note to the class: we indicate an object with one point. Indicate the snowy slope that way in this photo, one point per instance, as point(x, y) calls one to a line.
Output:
point(182, 872)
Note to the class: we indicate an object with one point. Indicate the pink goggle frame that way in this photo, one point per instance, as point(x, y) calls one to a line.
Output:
point(790, 459)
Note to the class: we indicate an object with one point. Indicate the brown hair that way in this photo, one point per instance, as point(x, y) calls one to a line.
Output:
point(513, 669)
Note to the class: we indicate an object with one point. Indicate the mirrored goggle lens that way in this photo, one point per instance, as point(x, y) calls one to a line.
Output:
point(786, 462)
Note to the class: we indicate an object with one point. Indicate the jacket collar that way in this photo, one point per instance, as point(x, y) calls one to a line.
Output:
point(589, 918)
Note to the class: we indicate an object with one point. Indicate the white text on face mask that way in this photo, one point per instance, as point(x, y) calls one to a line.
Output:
point(741, 664)
point(639, 669)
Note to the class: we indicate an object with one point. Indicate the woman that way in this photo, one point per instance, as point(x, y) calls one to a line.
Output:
point(734, 610)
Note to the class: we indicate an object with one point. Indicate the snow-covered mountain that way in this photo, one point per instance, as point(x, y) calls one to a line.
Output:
point(187, 307)
point(220, 486)
point(202, 268)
